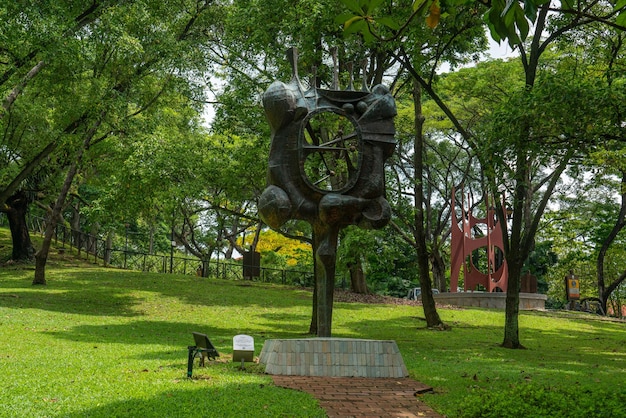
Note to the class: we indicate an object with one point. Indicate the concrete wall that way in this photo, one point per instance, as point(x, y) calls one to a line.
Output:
point(341, 357)
point(528, 301)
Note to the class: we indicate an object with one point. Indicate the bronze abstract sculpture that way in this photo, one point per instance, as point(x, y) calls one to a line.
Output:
point(326, 167)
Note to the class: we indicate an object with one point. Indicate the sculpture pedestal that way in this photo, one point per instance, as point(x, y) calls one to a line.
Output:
point(496, 300)
point(337, 357)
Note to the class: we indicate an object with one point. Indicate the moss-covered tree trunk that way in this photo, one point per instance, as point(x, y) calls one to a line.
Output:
point(357, 277)
point(438, 266)
point(15, 209)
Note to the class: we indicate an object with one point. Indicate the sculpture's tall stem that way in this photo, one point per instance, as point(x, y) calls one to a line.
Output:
point(325, 258)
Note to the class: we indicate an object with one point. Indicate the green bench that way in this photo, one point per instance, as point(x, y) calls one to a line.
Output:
point(203, 348)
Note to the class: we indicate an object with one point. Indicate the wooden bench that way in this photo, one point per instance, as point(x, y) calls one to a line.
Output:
point(203, 348)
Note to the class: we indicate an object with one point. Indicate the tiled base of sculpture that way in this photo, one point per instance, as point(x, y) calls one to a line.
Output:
point(341, 357)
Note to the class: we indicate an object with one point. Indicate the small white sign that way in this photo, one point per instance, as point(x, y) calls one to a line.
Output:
point(243, 343)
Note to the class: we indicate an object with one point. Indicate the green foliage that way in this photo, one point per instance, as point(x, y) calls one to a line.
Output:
point(539, 262)
point(529, 399)
point(365, 18)
point(585, 218)
point(620, 6)
point(389, 266)
point(124, 75)
point(278, 251)
point(506, 20)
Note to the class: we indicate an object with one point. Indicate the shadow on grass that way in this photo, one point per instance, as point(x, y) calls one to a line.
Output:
point(229, 400)
point(173, 334)
point(590, 351)
point(177, 335)
point(285, 323)
point(98, 302)
point(581, 332)
point(108, 292)
point(69, 291)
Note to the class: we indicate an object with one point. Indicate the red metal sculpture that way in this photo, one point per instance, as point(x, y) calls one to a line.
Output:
point(470, 234)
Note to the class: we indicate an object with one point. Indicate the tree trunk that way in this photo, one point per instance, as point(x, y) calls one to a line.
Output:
point(41, 257)
point(430, 310)
point(257, 236)
point(439, 270)
point(108, 248)
point(92, 241)
point(10, 99)
point(17, 206)
point(518, 247)
point(511, 322)
point(151, 240)
point(357, 277)
point(515, 252)
point(75, 228)
point(515, 263)
point(603, 291)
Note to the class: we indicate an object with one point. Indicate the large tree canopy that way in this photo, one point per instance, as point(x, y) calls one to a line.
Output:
point(535, 132)
point(102, 69)
point(102, 107)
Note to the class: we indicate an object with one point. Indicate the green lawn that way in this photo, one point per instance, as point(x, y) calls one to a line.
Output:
point(102, 342)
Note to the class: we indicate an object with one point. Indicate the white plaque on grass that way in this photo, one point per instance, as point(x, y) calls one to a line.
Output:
point(243, 348)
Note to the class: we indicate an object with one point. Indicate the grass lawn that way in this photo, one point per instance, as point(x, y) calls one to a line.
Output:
point(102, 342)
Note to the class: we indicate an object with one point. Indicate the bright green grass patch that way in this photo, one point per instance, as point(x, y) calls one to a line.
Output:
point(97, 342)
point(102, 342)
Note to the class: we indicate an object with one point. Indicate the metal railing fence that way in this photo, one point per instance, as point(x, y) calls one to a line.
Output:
point(100, 251)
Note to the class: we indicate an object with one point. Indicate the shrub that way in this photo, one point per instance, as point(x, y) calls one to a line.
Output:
point(528, 399)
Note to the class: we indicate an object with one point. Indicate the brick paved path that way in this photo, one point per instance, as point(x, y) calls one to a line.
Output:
point(363, 397)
